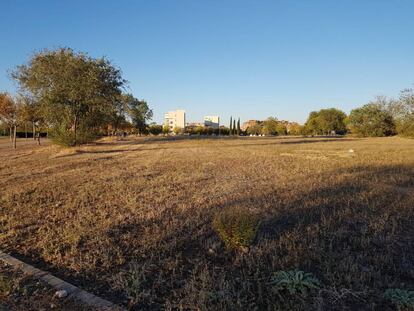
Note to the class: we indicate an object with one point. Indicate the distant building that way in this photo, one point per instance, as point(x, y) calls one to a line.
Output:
point(174, 119)
point(250, 123)
point(194, 124)
point(212, 121)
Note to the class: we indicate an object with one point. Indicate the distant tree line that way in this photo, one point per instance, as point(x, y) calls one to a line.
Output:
point(75, 98)
point(380, 117)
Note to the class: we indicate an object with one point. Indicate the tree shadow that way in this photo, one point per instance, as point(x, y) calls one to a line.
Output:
point(356, 234)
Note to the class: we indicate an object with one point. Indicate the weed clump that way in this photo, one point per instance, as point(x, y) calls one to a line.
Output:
point(293, 283)
point(236, 227)
point(131, 282)
point(402, 299)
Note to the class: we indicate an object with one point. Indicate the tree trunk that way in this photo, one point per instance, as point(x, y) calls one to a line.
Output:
point(34, 131)
point(38, 139)
point(75, 127)
point(14, 137)
point(25, 129)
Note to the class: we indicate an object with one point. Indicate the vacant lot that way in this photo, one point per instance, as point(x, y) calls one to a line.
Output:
point(103, 215)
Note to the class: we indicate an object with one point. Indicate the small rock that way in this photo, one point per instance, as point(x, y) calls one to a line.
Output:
point(61, 293)
point(351, 150)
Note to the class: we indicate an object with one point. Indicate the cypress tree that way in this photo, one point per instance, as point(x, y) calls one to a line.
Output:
point(231, 125)
point(238, 127)
point(234, 127)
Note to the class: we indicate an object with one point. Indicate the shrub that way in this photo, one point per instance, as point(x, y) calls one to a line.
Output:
point(155, 129)
point(64, 137)
point(402, 299)
point(293, 282)
point(236, 227)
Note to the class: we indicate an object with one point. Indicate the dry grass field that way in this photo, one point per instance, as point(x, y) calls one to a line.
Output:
point(132, 220)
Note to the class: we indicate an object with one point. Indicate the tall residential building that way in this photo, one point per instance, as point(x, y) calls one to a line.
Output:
point(174, 119)
point(212, 121)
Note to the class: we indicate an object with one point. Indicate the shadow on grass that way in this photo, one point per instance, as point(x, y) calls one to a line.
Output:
point(353, 233)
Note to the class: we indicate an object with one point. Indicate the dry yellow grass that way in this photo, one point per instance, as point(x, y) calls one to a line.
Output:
point(87, 213)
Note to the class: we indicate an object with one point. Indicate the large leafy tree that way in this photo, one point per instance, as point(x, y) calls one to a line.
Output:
point(139, 112)
point(371, 120)
point(270, 126)
point(75, 91)
point(255, 129)
point(326, 121)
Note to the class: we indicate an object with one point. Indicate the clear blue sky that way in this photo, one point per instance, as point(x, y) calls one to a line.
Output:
point(251, 59)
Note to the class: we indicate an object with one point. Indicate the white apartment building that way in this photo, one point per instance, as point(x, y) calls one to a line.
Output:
point(212, 121)
point(174, 119)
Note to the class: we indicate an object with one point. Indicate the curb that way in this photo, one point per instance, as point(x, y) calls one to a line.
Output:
point(58, 284)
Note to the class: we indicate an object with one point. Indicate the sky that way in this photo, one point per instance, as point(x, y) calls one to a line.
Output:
point(248, 59)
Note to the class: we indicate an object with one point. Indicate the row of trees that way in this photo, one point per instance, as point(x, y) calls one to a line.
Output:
point(76, 97)
point(234, 128)
point(380, 117)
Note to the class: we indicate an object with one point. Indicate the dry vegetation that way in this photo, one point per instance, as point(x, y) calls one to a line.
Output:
point(22, 293)
point(132, 220)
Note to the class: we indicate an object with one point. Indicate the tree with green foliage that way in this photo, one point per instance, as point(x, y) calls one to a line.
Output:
point(139, 112)
point(165, 129)
point(326, 121)
point(295, 129)
point(281, 129)
point(231, 126)
point(371, 120)
point(255, 129)
point(177, 130)
point(77, 93)
point(270, 126)
point(155, 129)
point(234, 127)
point(238, 127)
point(224, 130)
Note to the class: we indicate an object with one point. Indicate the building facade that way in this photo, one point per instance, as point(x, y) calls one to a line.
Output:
point(212, 121)
point(250, 123)
point(174, 119)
